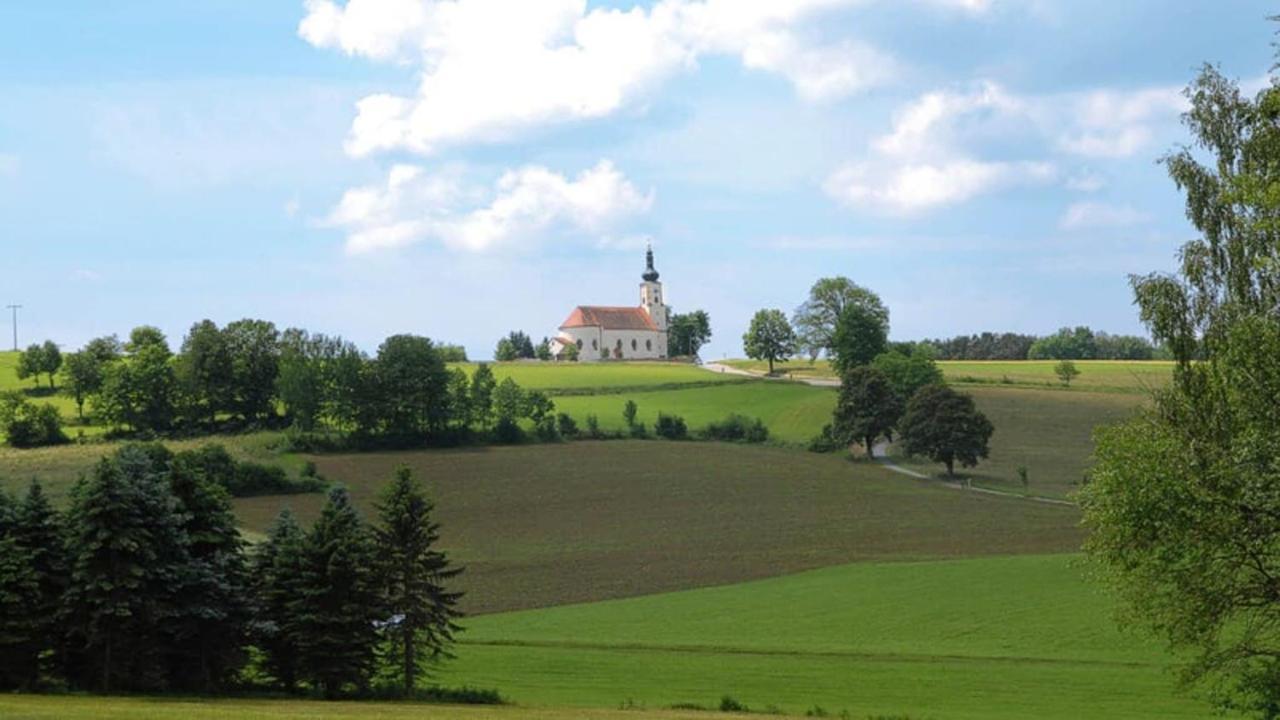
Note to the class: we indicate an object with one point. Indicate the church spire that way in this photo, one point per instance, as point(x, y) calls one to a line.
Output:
point(650, 275)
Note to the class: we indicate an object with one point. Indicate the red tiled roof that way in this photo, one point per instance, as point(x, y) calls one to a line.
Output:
point(609, 318)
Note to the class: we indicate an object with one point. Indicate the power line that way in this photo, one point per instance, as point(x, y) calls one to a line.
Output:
point(15, 309)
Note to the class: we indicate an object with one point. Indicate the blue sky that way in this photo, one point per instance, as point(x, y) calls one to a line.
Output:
point(460, 169)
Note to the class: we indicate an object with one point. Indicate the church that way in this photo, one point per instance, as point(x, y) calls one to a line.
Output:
point(600, 332)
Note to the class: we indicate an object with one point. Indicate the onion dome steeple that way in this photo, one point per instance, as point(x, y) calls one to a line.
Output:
point(650, 275)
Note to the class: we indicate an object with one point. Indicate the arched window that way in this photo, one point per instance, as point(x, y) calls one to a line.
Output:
point(595, 345)
point(618, 345)
point(648, 344)
point(579, 343)
point(633, 344)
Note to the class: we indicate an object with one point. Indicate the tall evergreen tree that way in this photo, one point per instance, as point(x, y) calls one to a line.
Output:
point(126, 551)
point(206, 632)
point(19, 597)
point(337, 605)
point(275, 568)
point(41, 538)
point(414, 576)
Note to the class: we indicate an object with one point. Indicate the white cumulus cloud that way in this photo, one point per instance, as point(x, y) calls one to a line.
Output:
point(523, 205)
point(949, 146)
point(923, 162)
point(491, 69)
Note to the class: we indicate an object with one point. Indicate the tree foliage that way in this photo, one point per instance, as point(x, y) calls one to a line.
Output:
point(945, 426)
point(769, 338)
point(415, 574)
point(1182, 502)
point(862, 334)
point(687, 333)
point(868, 408)
point(816, 319)
point(908, 373)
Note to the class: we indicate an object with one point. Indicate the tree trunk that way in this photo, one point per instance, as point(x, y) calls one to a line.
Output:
point(106, 666)
point(771, 365)
point(871, 450)
point(408, 662)
point(951, 472)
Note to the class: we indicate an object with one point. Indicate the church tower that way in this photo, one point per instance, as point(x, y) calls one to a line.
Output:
point(651, 293)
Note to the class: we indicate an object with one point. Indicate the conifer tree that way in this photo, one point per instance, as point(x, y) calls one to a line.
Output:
point(126, 551)
point(414, 574)
point(206, 633)
point(41, 538)
point(275, 568)
point(337, 605)
point(19, 595)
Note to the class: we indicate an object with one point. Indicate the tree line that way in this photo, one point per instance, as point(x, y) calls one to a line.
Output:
point(884, 387)
point(144, 584)
point(249, 374)
point(1077, 343)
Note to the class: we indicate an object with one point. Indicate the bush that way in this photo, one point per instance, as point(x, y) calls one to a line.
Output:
point(253, 479)
point(567, 426)
point(507, 432)
point(639, 431)
point(671, 427)
point(824, 442)
point(28, 425)
point(736, 428)
point(593, 427)
point(547, 430)
point(729, 704)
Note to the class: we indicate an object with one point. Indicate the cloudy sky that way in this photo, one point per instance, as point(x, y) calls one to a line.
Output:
point(459, 168)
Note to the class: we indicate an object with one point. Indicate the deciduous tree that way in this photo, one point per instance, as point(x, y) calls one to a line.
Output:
point(769, 338)
point(945, 426)
point(867, 410)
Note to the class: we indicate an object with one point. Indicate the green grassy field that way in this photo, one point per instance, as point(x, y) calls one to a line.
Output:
point(794, 412)
point(1095, 375)
point(41, 394)
point(577, 377)
point(552, 524)
point(1013, 637)
point(35, 707)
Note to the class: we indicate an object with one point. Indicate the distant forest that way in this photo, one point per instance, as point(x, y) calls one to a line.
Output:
point(1078, 343)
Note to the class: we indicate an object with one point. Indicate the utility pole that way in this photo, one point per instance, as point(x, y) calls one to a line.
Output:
point(15, 309)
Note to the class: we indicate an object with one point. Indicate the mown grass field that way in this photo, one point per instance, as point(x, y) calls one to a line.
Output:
point(1007, 637)
point(547, 525)
point(794, 412)
point(29, 707)
point(577, 377)
point(1095, 375)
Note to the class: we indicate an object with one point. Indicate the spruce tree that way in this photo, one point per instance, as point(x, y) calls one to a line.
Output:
point(206, 634)
point(275, 568)
point(337, 605)
point(414, 574)
point(127, 550)
point(41, 537)
point(19, 597)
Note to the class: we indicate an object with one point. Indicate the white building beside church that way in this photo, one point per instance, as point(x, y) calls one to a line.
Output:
point(619, 333)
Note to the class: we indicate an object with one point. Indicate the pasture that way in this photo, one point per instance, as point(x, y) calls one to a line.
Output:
point(1003, 637)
